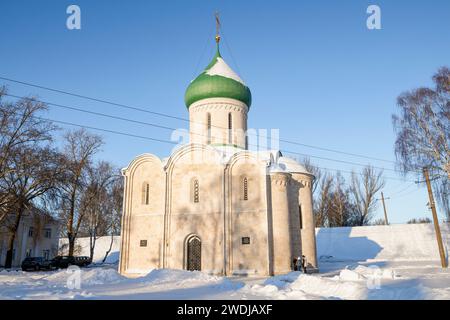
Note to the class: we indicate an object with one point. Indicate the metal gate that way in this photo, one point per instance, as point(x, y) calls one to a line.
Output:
point(194, 254)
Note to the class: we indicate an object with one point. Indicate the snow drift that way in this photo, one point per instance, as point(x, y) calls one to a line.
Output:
point(404, 242)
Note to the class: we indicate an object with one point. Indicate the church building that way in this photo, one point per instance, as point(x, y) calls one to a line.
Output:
point(215, 205)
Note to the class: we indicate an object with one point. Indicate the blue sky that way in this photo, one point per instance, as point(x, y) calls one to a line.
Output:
point(316, 72)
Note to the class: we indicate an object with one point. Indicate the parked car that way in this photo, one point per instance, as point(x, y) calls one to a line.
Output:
point(36, 264)
point(61, 262)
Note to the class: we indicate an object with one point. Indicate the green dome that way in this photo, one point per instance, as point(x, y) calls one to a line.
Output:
point(218, 81)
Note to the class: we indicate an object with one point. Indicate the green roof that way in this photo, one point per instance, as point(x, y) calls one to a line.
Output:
point(217, 81)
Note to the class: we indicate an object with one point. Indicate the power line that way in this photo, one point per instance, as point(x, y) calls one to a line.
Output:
point(405, 194)
point(358, 173)
point(91, 112)
point(403, 190)
point(153, 139)
point(180, 118)
point(106, 130)
point(95, 99)
point(341, 161)
point(171, 128)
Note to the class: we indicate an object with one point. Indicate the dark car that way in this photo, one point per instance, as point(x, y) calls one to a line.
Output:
point(61, 262)
point(36, 264)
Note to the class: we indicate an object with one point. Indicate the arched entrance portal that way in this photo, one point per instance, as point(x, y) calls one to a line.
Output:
point(193, 253)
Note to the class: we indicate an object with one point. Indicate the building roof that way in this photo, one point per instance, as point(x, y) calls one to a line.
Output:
point(218, 80)
point(291, 165)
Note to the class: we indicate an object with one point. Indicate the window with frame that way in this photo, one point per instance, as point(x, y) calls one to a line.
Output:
point(208, 127)
point(300, 216)
point(146, 193)
point(46, 254)
point(30, 232)
point(28, 253)
point(230, 128)
point(48, 233)
point(195, 191)
point(245, 188)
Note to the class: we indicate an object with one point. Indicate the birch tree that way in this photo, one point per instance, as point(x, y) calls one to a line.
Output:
point(423, 132)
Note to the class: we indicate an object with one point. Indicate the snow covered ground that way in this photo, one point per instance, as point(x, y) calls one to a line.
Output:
point(340, 280)
point(382, 262)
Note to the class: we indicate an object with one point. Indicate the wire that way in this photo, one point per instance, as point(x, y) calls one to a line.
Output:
point(152, 139)
point(405, 194)
point(95, 99)
point(171, 128)
point(203, 53)
point(404, 189)
point(106, 130)
point(182, 119)
point(231, 53)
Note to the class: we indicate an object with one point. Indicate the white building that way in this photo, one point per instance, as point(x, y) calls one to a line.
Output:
point(37, 236)
point(213, 204)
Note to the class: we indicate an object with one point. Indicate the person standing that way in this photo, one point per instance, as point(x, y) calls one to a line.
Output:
point(303, 263)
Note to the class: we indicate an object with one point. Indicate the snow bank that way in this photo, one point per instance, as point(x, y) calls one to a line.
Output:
point(364, 273)
point(183, 278)
point(301, 286)
point(159, 276)
point(89, 276)
point(383, 243)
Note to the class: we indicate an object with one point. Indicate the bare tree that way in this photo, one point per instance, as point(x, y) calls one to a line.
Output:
point(35, 172)
point(423, 127)
point(363, 190)
point(314, 170)
point(419, 220)
point(79, 150)
point(423, 133)
point(322, 201)
point(115, 214)
point(96, 202)
point(340, 211)
point(442, 187)
point(19, 128)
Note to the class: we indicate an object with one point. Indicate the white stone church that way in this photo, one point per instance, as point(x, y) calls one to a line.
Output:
point(213, 205)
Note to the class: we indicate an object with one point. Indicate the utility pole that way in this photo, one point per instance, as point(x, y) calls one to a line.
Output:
point(435, 219)
point(386, 222)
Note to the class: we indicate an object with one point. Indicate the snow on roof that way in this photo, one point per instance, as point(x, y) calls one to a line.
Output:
point(221, 68)
point(290, 165)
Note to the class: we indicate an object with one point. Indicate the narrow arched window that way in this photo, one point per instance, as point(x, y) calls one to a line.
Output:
point(208, 126)
point(195, 191)
point(145, 193)
point(245, 188)
point(230, 127)
point(300, 216)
